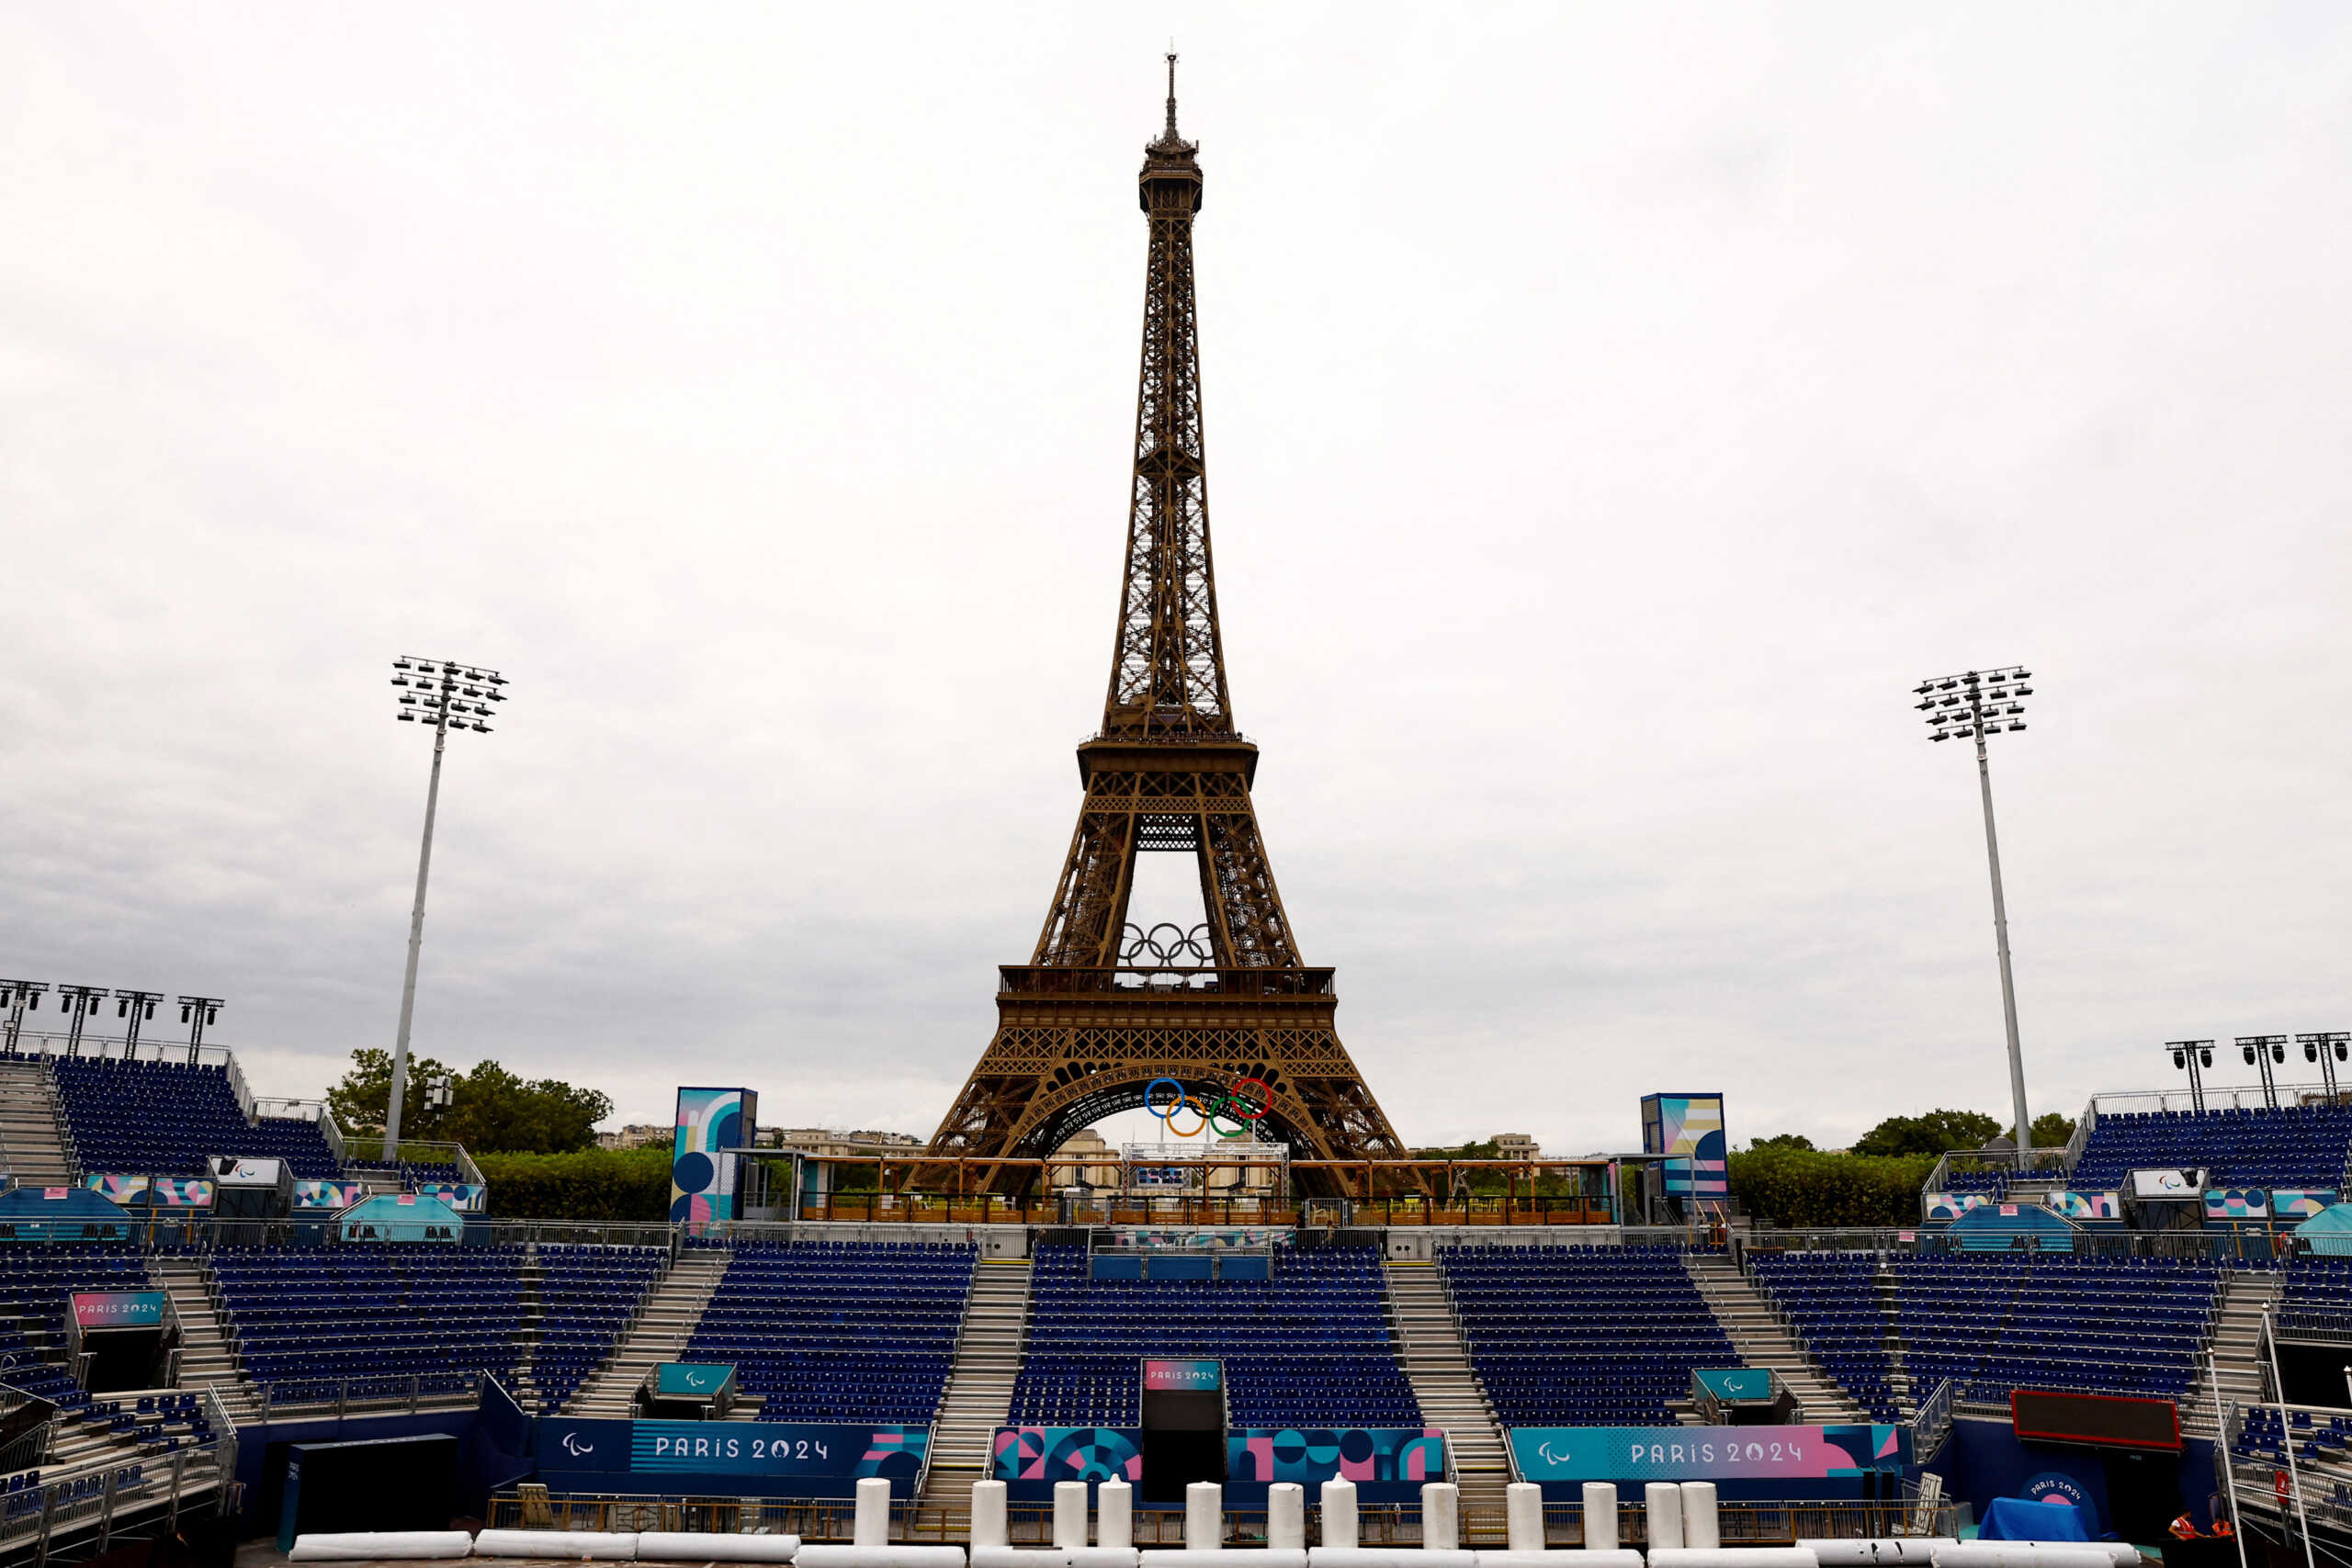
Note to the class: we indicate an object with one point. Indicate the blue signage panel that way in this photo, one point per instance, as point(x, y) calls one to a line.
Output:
point(1185, 1377)
point(1738, 1384)
point(691, 1379)
point(1709, 1453)
point(774, 1457)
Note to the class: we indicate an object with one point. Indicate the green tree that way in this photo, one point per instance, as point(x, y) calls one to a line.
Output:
point(1931, 1135)
point(2051, 1131)
point(1808, 1187)
point(593, 1184)
point(490, 1110)
point(1782, 1141)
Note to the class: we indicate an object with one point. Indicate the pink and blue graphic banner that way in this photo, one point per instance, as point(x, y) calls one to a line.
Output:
point(1348, 1453)
point(1183, 1377)
point(1689, 1129)
point(1937, 1206)
point(1048, 1454)
point(2300, 1202)
point(2237, 1204)
point(118, 1309)
point(702, 1182)
point(2084, 1205)
point(1709, 1453)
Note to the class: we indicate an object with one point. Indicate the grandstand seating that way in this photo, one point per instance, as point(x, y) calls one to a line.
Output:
point(1997, 1322)
point(2318, 1285)
point(304, 1319)
point(166, 1119)
point(1307, 1348)
point(588, 1295)
point(2299, 1145)
point(1831, 1299)
point(36, 1279)
point(1582, 1335)
point(838, 1331)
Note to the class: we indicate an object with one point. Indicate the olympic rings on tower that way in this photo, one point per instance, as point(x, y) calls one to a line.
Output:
point(1249, 1099)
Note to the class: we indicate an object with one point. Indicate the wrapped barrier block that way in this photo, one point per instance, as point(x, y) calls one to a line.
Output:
point(1603, 1557)
point(1054, 1557)
point(1734, 1557)
point(1384, 1557)
point(1662, 1501)
point(701, 1546)
point(2025, 1555)
point(1601, 1516)
point(1897, 1552)
point(878, 1557)
point(575, 1546)
point(347, 1546)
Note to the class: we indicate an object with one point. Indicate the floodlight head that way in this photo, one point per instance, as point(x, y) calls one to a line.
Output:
point(2278, 1050)
point(2311, 1049)
point(2249, 1054)
point(2180, 1059)
point(2205, 1056)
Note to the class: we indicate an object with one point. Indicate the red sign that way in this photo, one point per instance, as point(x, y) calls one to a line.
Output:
point(2282, 1482)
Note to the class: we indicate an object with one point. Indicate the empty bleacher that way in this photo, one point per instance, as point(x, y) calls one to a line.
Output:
point(587, 1295)
point(166, 1119)
point(1310, 1346)
point(371, 1317)
point(1582, 1335)
point(36, 1280)
point(838, 1331)
point(2297, 1145)
point(1831, 1300)
point(1996, 1321)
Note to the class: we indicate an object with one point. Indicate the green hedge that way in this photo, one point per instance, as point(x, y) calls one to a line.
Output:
point(1805, 1186)
point(594, 1184)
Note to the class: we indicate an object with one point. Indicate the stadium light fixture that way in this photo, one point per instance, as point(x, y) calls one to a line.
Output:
point(448, 696)
point(197, 1012)
point(2193, 1056)
point(2263, 1050)
point(1975, 704)
point(2327, 1048)
point(15, 996)
point(134, 1007)
point(77, 1003)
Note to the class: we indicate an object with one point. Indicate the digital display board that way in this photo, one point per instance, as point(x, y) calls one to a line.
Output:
point(2102, 1419)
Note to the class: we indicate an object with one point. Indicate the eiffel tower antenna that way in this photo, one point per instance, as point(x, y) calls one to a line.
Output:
point(1102, 1010)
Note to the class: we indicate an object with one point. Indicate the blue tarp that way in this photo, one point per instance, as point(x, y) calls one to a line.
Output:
point(2329, 1232)
point(1988, 1229)
point(61, 1214)
point(2021, 1518)
point(406, 1216)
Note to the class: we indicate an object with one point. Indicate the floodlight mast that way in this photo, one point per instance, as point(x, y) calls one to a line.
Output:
point(16, 995)
point(1978, 703)
point(2195, 1055)
point(2327, 1048)
point(448, 696)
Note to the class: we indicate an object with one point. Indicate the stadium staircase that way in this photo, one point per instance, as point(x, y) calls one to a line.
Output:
point(29, 1122)
point(1756, 1331)
point(1437, 1364)
point(206, 1359)
point(659, 1334)
point(980, 1384)
point(2237, 1348)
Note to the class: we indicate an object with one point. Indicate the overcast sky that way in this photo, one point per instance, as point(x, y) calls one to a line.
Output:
point(1612, 411)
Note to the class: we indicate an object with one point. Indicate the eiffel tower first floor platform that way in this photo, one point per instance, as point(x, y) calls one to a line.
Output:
point(1075, 1046)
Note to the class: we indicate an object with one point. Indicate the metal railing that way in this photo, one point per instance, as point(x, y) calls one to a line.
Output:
point(121, 1500)
point(828, 1519)
point(1931, 1423)
point(393, 1394)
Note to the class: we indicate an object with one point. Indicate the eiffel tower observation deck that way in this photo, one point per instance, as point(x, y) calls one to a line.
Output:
point(1103, 1010)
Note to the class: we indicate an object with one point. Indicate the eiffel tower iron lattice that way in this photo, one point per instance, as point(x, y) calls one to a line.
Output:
point(1102, 1010)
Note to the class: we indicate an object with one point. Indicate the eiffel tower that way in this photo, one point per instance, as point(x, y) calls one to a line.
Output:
point(1102, 1010)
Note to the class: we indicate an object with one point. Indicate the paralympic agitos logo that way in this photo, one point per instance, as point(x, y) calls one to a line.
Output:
point(1246, 1101)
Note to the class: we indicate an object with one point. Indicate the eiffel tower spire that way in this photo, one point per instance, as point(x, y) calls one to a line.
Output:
point(1102, 1010)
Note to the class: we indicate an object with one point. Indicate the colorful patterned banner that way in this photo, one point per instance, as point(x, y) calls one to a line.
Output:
point(702, 1185)
point(2299, 1203)
point(2085, 1205)
point(1068, 1453)
point(1950, 1205)
point(334, 1195)
point(1183, 1377)
point(116, 1188)
point(466, 1197)
point(2237, 1204)
point(1688, 1127)
point(1349, 1453)
point(181, 1192)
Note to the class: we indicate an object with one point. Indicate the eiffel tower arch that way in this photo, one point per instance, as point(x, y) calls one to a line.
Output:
point(1102, 1009)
